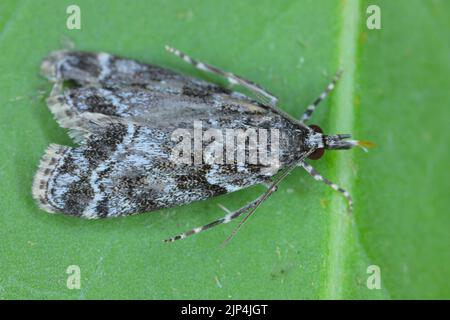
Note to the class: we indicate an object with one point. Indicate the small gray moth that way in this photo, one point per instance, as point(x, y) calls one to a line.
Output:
point(123, 114)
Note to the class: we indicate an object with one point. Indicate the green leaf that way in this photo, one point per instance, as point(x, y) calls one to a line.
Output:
point(301, 243)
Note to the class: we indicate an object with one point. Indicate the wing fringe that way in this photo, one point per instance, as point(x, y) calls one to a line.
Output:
point(49, 162)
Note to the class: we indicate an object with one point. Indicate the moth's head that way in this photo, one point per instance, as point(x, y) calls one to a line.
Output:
point(319, 142)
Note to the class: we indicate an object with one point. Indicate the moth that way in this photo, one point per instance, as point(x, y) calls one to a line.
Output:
point(123, 114)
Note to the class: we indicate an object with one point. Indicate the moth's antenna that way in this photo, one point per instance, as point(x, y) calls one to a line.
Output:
point(312, 107)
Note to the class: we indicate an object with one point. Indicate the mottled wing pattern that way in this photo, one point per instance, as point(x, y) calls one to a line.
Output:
point(166, 109)
point(123, 114)
point(125, 168)
point(104, 69)
point(178, 106)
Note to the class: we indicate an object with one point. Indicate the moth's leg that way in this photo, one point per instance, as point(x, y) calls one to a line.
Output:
point(317, 176)
point(271, 188)
point(226, 219)
point(233, 79)
point(312, 107)
point(251, 208)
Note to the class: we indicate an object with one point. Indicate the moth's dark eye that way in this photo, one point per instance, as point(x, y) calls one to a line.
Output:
point(317, 154)
point(316, 128)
